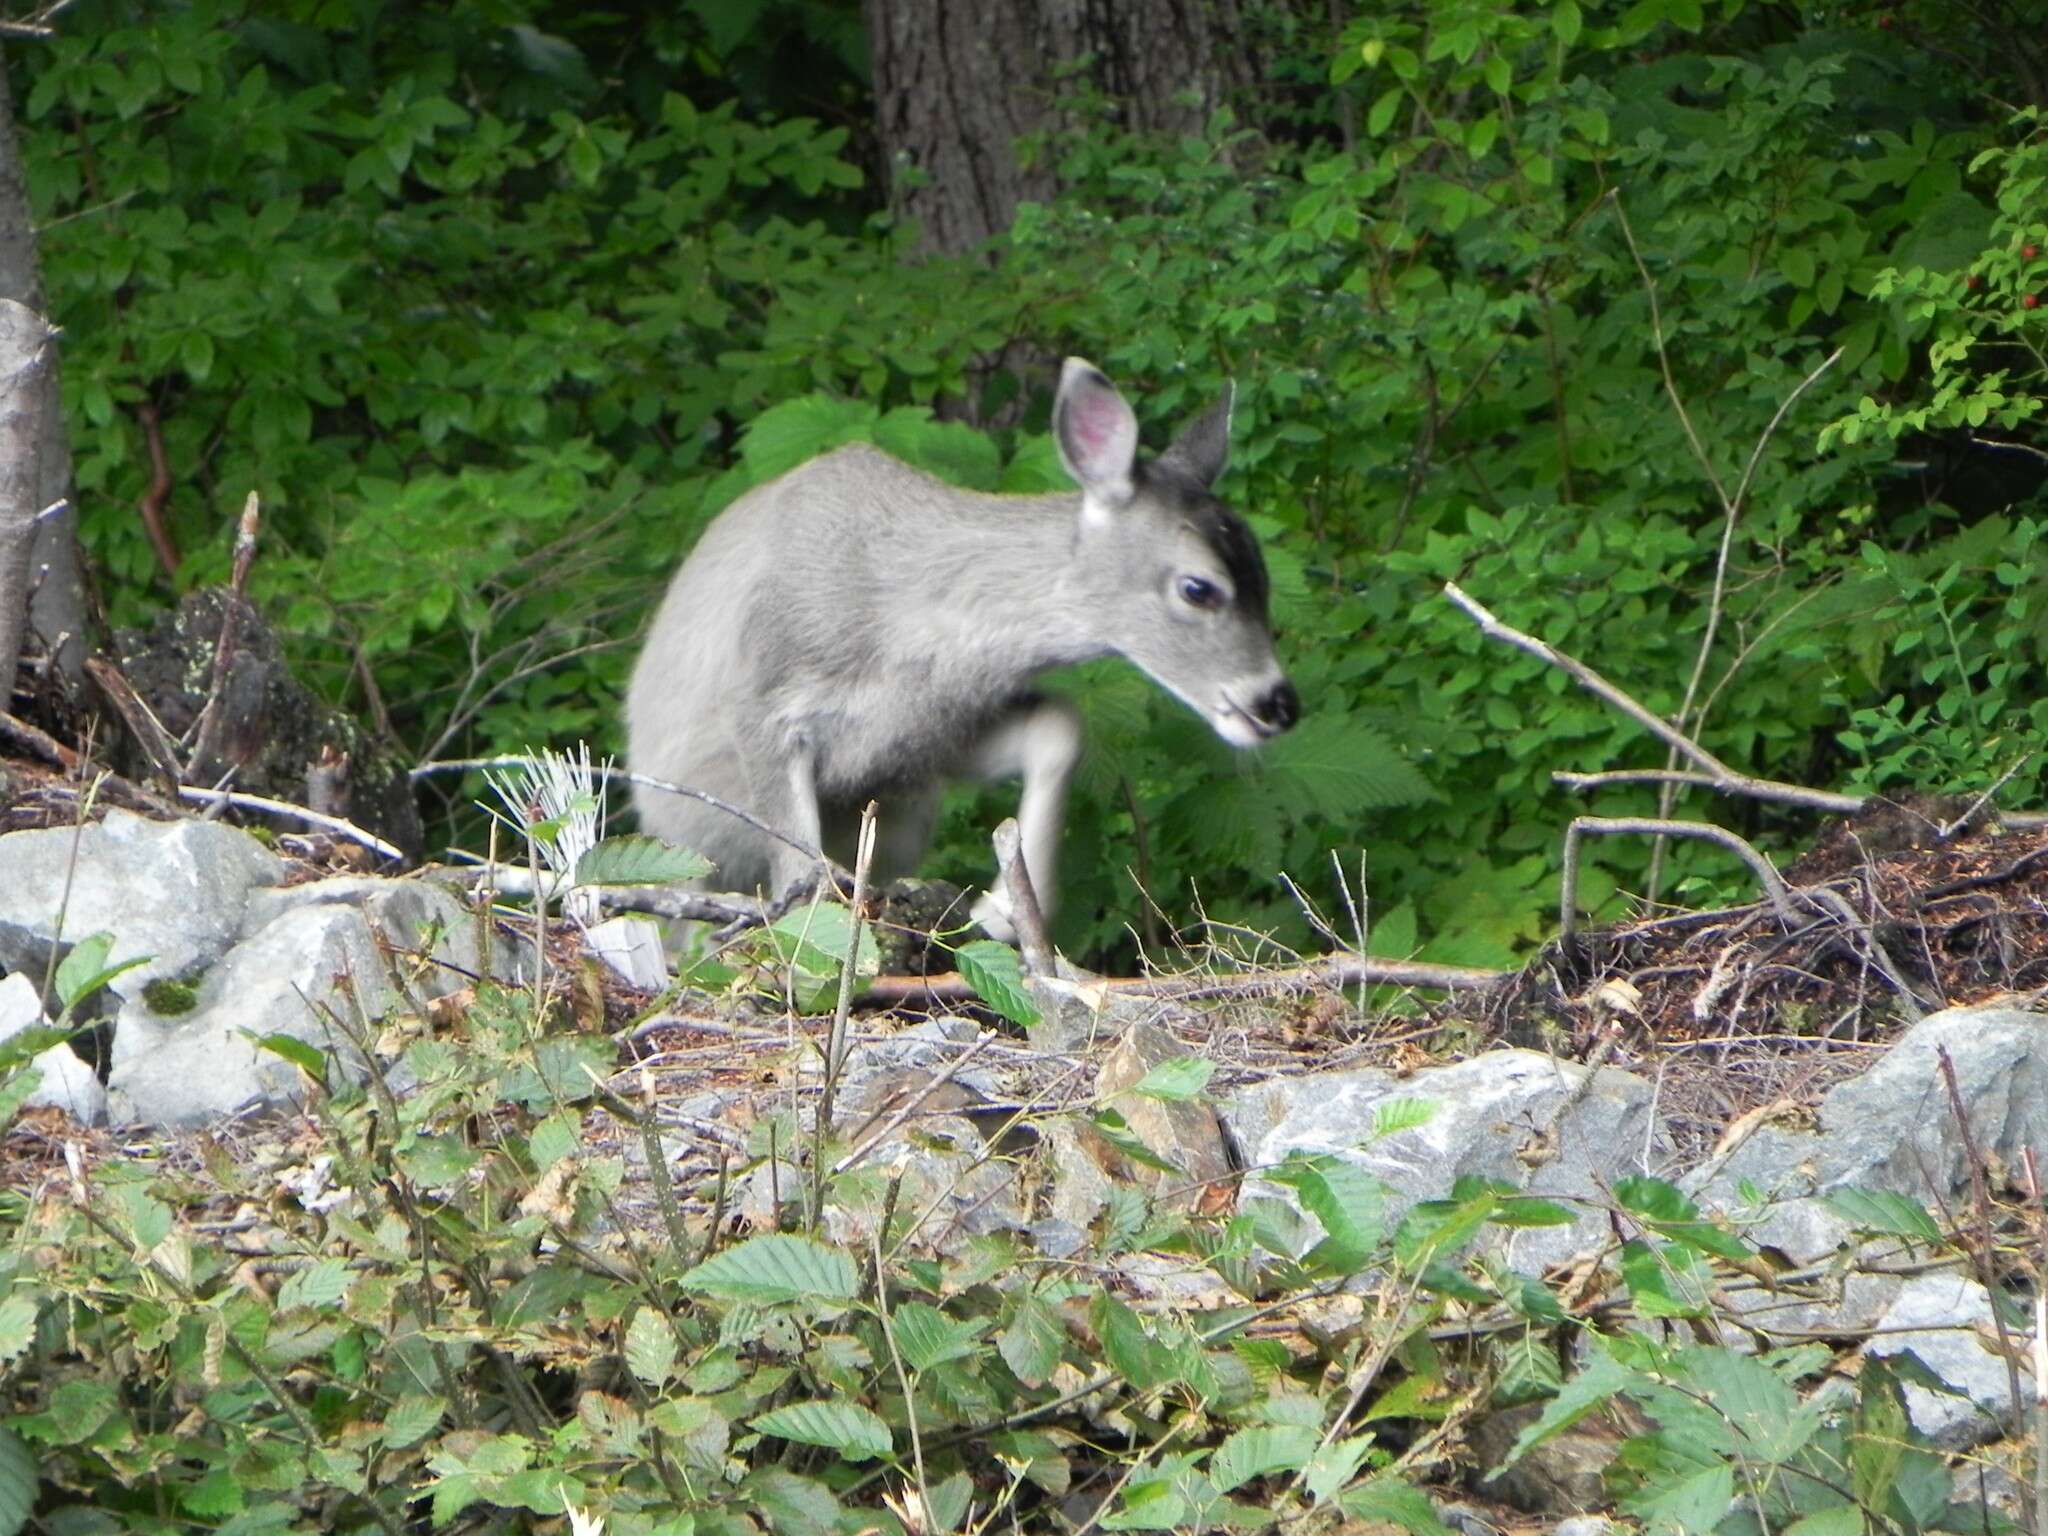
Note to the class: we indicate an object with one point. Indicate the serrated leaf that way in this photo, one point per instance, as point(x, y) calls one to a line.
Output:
point(785, 435)
point(848, 1428)
point(1349, 1202)
point(1881, 1211)
point(926, 1337)
point(997, 977)
point(639, 860)
point(1333, 1466)
point(555, 1138)
point(1667, 1280)
point(1259, 1451)
point(412, 1418)
point(1389, 1501)
point(19, 1476)
point(776, 1268)
point(1182, 1078)
point(1031, 1341)
point(794, 1505)
point(17, 1324)
point(650, 1347)
point(1391, 1116)
point(317, 1285)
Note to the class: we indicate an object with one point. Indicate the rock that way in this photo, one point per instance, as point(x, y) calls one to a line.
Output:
point(631, 948)
point(1944, 1320)
point(1080, 1184)
point(173, 891)
point(1565, 1475)
point(311, 957)
point(68, 1082)
point(1891, 1128)
point(1497, 1117)
point(1182, 1132)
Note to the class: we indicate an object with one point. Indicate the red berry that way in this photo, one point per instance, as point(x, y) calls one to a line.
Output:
point(1973, 281)
point(2030, 251)
point(2028, 301)
point(1885, 21)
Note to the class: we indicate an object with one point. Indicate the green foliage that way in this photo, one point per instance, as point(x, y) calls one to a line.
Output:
point(497, 306)
point(459, 1329)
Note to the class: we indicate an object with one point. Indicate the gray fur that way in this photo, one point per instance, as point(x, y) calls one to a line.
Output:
point(857, 630)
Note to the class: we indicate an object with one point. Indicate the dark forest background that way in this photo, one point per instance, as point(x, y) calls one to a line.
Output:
point(496, 304)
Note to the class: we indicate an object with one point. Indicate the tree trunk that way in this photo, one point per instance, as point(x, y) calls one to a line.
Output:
point(957, 85)
point(56, 610)
point(25, 364)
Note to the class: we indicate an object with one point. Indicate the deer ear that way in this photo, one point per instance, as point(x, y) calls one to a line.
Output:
point(1097, 434)
point(1203, 446)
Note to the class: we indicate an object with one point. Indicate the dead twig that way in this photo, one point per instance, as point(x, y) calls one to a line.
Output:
point(1720, 776)
point(151, 739)
point(236, 800)
point(1034, 945)
point(151, 507)
point(1775, 890)
point(206, 731)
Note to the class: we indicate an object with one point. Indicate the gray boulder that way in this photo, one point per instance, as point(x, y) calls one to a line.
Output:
point(311, 967)
point(67, 1079)
point(1945, 1321)
point(1547, 1127)
point(173, 891)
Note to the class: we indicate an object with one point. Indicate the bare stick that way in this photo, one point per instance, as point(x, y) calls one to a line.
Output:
point(515, 759)
point(236, 800)
point(835, 1042)
point(1723, 778)
point(1329, 972)
point(1034, 947)
point(148, 733)
point(655, 900)
point(1948, 830)
point(1651, 826)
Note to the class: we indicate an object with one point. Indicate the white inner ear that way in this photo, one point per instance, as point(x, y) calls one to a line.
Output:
point(1100, 503)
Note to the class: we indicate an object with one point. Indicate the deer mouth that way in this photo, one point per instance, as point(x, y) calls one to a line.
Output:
point(1239, 726)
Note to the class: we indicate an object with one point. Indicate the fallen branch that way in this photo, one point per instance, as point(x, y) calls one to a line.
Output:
point(1033, 943)
point(1321, 975)
point(519, 759)
point(29, 738)
point(148, 733)
point(1650, 826)
point(663, 901)
point(1718, 774)
point(236, 800)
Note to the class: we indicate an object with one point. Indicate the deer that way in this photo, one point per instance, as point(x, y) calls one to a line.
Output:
point(856, 630)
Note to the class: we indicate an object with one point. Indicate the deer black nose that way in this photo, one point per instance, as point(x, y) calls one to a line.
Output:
point(1278, 707)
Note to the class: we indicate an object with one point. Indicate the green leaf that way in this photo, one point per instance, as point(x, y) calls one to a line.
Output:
point(794, 1505)
point(639, 860)
point(85, 970)
point(1031, 1341)
point(650, 1347)
point(847, 1428)
point(1566, 22)
point(17, 1324)
point(1350, 1202)
point(774, 1269)
point(997, 976)
point(926, 1337)
point(412, 1418)
point(785, 435)
point(1695, 1505)
point(1393, 1502)
point(309, 1059)
point(555, 1138)
point(317, 1285)
point(1881, 1211)
point(1175, 1081)
point(1667, 1280)
point(1383, 110)
point(1259, 1451)
point(19, 1477)
point(1333, 1466)
point(1113, 1128)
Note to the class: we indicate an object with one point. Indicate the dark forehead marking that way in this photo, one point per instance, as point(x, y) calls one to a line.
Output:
point(1236, 549)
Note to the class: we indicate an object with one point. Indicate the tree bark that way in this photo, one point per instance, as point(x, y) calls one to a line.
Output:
point(25, 352)
point(56, 608)
point(957, 85)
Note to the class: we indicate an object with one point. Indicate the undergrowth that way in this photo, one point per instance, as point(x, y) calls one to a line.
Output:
point(483, 1305)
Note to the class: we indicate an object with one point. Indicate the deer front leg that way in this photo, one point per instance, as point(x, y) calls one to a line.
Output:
point(1041, 742)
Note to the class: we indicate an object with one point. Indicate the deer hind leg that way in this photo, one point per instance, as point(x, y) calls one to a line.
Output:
point(1039, 741)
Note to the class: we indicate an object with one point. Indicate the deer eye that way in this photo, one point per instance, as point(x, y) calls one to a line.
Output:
point(1200, 592)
